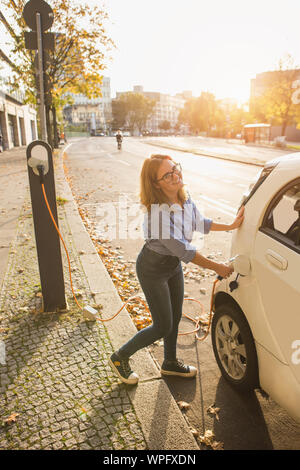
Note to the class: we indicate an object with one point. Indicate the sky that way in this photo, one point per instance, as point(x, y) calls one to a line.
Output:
point(169, 46)
point(218, 46)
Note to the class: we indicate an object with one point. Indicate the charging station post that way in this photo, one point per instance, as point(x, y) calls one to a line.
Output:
point(39, 17)
point(39, 154)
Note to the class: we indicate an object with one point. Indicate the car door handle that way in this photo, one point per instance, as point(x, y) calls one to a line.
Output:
point(276, 259)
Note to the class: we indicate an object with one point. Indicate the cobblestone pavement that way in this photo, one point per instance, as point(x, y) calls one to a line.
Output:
point(57, 390)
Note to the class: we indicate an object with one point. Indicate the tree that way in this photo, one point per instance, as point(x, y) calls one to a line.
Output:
point(238, 118)
point(189, 115)
point(119, 113)
point(165, 125)
point(78, 60)
point(132, 109)
point(202, 114)
point(276, 105)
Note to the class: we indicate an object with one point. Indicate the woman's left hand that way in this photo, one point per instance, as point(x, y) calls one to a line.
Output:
point(239, 219)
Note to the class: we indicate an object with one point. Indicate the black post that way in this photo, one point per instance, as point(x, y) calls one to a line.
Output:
point(46, 236)
point(38, 15)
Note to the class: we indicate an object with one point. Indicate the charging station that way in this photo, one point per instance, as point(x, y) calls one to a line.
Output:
point(39, 154)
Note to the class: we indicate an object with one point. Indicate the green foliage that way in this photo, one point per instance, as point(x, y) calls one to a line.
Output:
point(276, 105)
point(132, 110)
point(165, 125)
point(78, 60)
point(202, 114)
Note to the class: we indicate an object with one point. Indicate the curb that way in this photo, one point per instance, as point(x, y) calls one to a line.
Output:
point(163, 424)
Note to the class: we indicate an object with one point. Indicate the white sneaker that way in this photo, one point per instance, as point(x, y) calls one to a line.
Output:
point(178, 368)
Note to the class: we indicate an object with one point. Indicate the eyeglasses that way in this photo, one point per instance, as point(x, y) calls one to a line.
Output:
point(168, 177)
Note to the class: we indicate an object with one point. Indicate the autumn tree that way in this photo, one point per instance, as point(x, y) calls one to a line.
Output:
point(119, 113)
point(202, 114)
point(276, 105)
point(81, 46)
point(165, 125)
point(238, 117)
point(132, 110)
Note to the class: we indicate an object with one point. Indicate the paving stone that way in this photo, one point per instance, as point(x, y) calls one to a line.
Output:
point(57, 364)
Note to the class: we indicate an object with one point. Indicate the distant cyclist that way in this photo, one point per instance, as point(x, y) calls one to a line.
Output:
point(119, 138)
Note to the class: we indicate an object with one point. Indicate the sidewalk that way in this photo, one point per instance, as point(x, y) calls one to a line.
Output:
point(264, 153)
point(57, 390)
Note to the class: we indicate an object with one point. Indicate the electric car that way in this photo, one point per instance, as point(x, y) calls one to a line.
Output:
point(256, 323)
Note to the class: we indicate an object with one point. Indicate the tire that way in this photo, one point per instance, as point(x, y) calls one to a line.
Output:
point(234, 348)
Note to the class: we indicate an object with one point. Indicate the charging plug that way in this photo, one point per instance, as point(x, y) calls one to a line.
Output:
point(234, 284)
point(41, 170)
point(90, 313)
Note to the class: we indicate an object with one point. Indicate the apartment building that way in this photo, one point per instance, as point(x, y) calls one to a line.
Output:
point(167, 107)
point(18, 122)
point(90, 113)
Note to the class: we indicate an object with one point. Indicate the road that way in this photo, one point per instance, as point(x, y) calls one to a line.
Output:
point(99, 175)
point(229, 147)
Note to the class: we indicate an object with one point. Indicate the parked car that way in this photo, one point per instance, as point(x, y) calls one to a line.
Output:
point(97, 133)
point(256, 326)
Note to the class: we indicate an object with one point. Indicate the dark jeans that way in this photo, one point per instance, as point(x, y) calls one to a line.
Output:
point(161, 279)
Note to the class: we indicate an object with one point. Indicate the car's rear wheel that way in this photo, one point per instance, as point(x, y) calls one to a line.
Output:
point(234, 348)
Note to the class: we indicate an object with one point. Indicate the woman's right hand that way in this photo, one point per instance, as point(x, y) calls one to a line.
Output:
point(223, 270)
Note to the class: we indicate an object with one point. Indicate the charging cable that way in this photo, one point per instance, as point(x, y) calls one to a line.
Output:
point(198, 321)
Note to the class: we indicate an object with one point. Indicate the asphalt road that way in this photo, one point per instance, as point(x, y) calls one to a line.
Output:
point(100, 175)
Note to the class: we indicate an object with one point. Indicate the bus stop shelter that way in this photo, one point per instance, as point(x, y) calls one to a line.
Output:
point(260, 133)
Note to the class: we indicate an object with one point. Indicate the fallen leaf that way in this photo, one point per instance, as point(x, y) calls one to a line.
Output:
point(194, 432)
point(217, 445)
point(83, 414)
point(209, 440)
point(183, 405)
point(11, 418)
point(212, 409)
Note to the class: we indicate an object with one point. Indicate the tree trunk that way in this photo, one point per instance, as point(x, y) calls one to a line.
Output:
point(48, 123)
point(55, 133)
point(283, 127)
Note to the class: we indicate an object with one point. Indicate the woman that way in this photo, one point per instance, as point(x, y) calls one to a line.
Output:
point(170, 221)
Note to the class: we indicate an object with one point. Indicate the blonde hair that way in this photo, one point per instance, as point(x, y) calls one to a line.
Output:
point(149, 194)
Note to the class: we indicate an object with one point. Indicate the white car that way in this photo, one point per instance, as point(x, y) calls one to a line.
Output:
point(256, 322)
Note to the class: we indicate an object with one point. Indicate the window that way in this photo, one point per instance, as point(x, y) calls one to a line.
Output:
point(282, 218)
point(265, 172)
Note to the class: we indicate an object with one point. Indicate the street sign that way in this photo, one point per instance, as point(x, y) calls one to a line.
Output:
point(38, 6)
point(31, 41)
point(38, 15)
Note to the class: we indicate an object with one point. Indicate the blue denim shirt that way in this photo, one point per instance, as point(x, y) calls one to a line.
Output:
point(168, 229)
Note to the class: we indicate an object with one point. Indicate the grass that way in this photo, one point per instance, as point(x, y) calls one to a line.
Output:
point(61, 201)
point(294, 147)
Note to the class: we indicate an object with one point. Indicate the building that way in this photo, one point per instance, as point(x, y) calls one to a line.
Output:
point(90, 113)
point(260, 84)
point(167, 108)
point(227, 104)
point(18, 125)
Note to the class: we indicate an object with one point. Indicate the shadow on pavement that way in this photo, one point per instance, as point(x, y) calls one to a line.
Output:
point(241, 425)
